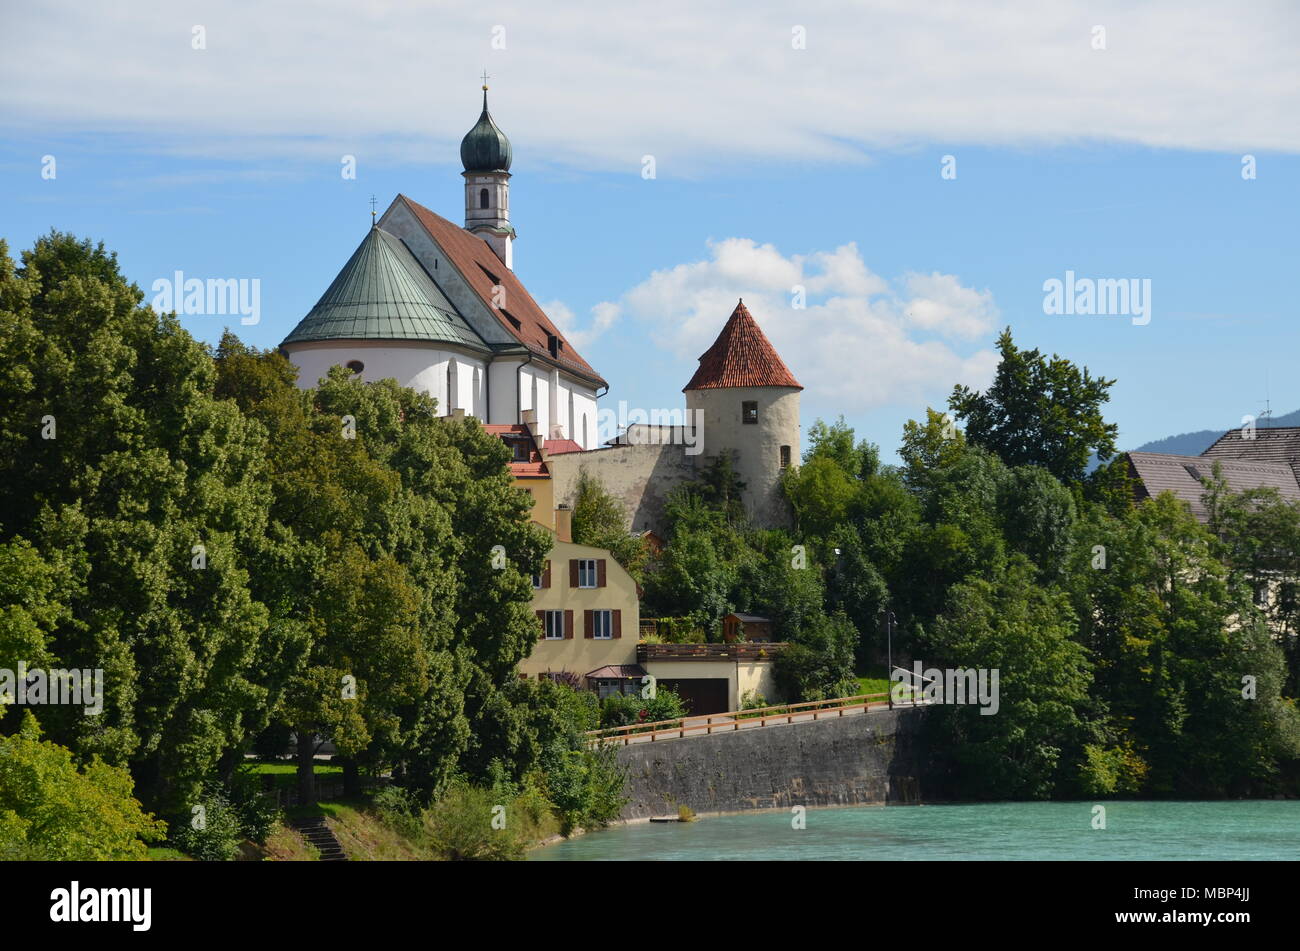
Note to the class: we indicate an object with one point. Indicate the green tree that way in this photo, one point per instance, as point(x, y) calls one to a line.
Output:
point(50, 810)
point(1025, 631)
point(145, 498)
point(1039, 412)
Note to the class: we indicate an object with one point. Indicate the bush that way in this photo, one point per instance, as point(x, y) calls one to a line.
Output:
point(213, 832)
point(258, 814)
point(626, 709)
point(399, 809)
point(460, 826)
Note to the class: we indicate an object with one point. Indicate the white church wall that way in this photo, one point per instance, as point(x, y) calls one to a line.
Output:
point(418, 367)
point(585, 430)
point(503, 379)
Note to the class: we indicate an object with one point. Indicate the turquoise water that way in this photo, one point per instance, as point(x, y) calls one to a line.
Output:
point(1009, 831)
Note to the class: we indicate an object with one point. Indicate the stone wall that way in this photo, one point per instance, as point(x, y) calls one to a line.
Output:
point(640, 476)
point(853, 760)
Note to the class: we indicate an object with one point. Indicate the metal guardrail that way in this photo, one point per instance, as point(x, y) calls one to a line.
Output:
point(733, 720)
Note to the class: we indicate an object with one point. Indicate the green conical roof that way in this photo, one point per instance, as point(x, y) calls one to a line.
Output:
point(383, 293)
point(485, 147)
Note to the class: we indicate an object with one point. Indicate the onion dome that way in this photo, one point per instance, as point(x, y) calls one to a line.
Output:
point(485, 147)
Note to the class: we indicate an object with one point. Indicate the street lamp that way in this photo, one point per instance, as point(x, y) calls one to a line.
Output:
point(890, 621)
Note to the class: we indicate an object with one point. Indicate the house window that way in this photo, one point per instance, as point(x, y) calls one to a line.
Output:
point(749, 411)
point(785, 457)
point(482, 197)
point(609, 687)
point(587, 573)
point(602, 625)
point(356, 366)
point(1261, 593)
point(554, 621)
point(519, 450)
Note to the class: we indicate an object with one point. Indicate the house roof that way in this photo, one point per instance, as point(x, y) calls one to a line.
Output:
point(1181, 475)
point(558, 447)
point(617, 672)
point(482, 270)
point(1281, 444)
point(741, 356)
point(748, 618)
point(534, 468)
point(383, 293)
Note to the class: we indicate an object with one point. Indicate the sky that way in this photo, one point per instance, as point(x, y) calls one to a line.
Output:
point(886, 186)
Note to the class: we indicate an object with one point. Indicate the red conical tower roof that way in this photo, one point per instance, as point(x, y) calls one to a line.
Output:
point(741, 356)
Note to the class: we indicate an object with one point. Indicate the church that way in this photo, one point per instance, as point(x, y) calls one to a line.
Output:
point(437, 307)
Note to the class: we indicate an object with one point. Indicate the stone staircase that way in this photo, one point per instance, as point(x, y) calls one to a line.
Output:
point(315, 831)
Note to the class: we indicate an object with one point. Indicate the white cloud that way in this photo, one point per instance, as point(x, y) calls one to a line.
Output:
point(603, 316)
point(861, 342)
point(698, 87)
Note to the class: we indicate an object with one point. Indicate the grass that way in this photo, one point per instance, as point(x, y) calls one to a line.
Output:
point(164, 854)
point(286, 771)
point(876, 681)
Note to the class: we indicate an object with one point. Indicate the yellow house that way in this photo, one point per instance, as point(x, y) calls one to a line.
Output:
point(588, 617)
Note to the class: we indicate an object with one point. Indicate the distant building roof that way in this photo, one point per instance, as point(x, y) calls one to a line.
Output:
point(748, 618)
point(1181, 475)
point(1263, 445)
point(384, 293)
point(483, 271)
point(741, 356)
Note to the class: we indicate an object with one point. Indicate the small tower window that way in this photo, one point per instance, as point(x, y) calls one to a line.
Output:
point(785, 457)
point(749, 411)
point(482, 197)
point(356, 366)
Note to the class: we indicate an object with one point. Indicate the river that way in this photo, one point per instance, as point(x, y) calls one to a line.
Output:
point(1243, 830)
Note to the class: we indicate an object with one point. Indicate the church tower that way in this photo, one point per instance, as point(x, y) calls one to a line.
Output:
point(485, 153)
point(750, 408)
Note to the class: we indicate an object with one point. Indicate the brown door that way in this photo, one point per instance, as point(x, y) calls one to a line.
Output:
point(702, 696)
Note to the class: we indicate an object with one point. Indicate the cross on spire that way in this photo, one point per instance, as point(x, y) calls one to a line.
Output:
point(485, 79)
point(373, 203)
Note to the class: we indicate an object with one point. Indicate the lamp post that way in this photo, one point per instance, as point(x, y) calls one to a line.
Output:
point(889, 655)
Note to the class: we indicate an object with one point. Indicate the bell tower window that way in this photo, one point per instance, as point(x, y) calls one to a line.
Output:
point(482, 197)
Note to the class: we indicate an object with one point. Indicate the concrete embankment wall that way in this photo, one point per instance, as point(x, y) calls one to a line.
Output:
point(839, 761)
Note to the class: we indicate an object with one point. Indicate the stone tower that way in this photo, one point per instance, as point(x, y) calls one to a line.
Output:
point(485, 153)
point(750, 408)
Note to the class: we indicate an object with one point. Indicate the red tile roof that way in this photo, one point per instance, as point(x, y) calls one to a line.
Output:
point(557, 447)
point(478, 264)
point(741, 356)
point(534, 468)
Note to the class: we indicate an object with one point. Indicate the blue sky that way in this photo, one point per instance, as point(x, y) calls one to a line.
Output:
point(818, 166)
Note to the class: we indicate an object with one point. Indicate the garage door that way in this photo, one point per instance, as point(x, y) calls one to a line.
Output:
point(702, 696)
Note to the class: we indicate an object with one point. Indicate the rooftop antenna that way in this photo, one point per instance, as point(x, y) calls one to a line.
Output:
point(1268, 403)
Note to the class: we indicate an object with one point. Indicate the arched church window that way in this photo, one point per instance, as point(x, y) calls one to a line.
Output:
point(482, 197)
